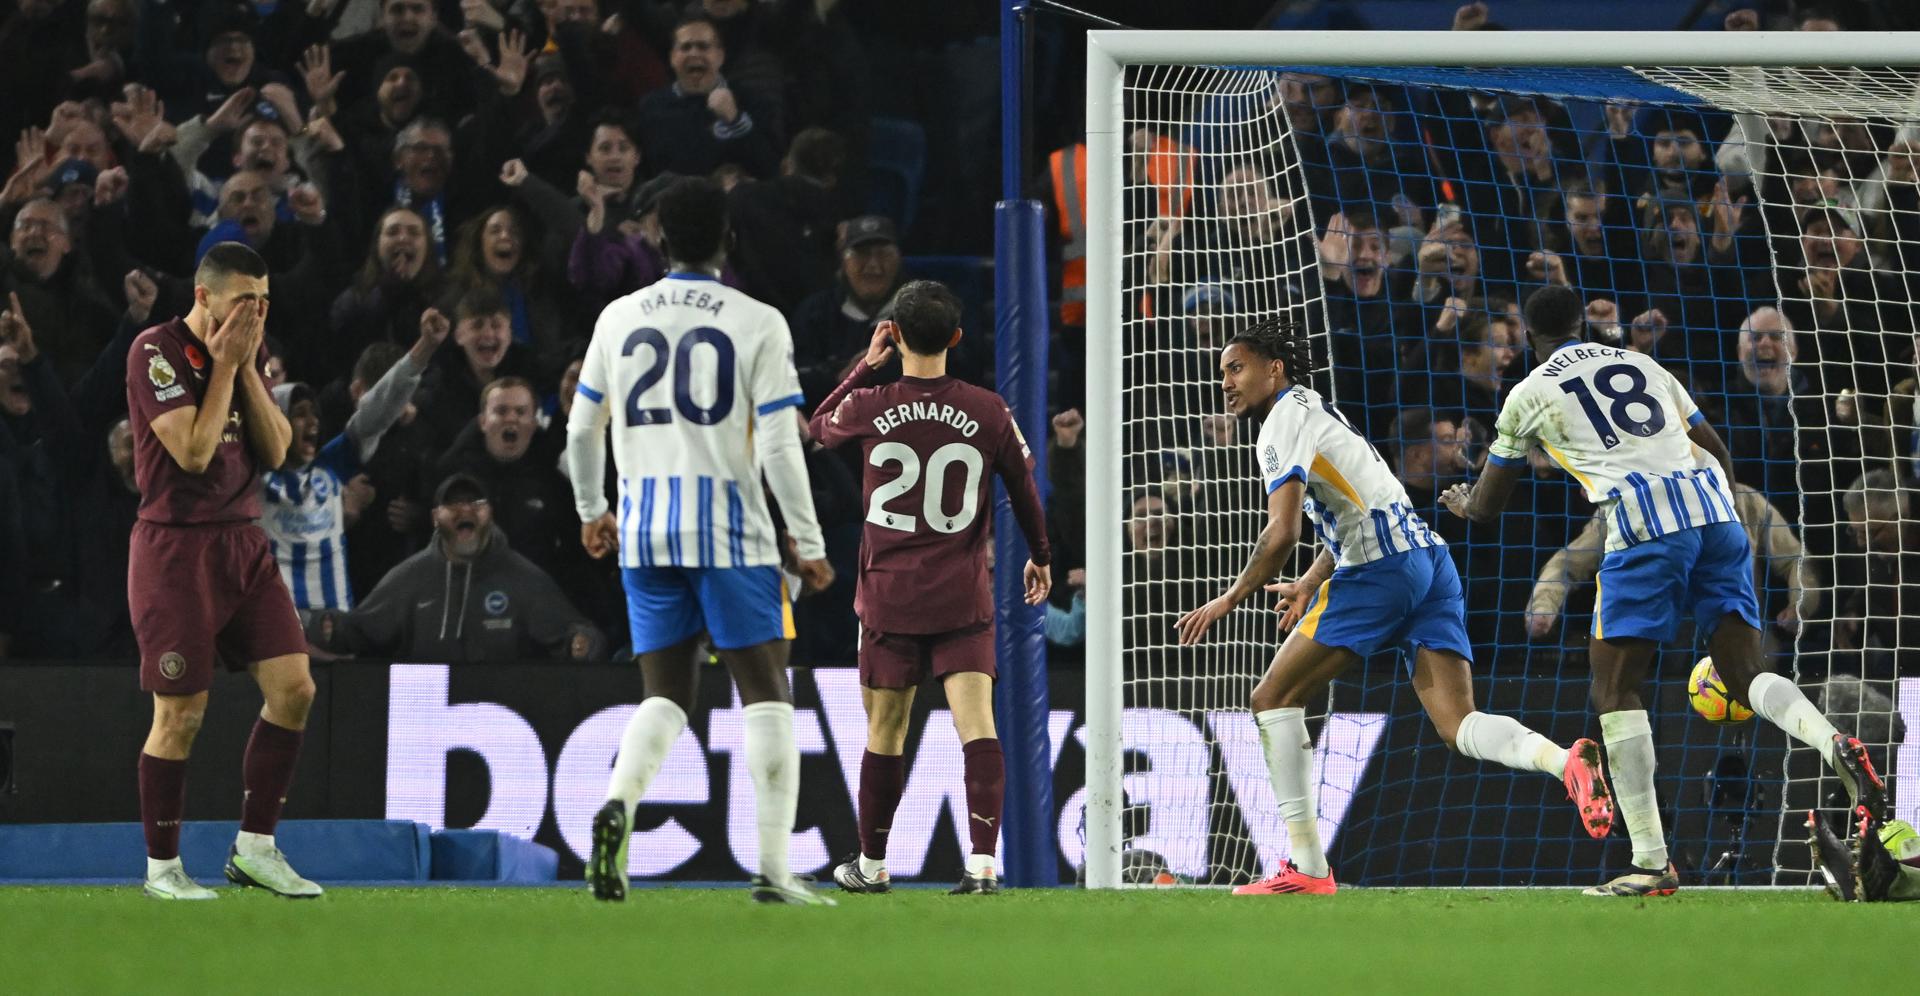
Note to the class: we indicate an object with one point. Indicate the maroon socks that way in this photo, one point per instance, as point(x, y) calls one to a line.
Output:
point(163, 798)
point(882, 778)
point(266, 773)
point(986, 775)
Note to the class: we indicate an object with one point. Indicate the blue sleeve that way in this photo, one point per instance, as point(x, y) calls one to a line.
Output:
point(790, 401)
point(1505, 461)
point(340, 456)
point(1697, 417)
point(1294, 473)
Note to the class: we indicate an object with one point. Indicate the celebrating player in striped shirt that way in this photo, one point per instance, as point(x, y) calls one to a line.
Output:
point(698, 381)
point(1629, 432)
point(1383, 580)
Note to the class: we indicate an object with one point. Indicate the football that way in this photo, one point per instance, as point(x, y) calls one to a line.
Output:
point(1709, 696)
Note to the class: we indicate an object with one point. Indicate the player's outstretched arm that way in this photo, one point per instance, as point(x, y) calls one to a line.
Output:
point(1276, 541)
point(1485, 499)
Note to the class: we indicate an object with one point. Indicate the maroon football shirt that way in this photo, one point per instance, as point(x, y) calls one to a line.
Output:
point(929, 445)
point(168, 368)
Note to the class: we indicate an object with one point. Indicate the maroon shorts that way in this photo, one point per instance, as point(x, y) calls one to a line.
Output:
point(204, 593)
point(903, 660)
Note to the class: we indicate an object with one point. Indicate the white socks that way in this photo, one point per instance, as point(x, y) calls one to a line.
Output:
point(1782, 703)
point(875, 870)
point(157, 867)
point(252, 844)
point(980, 865)
point(1502, 740)
point(774, 760)
point(650, 733)
point(1629, 739)
point(1283, 736)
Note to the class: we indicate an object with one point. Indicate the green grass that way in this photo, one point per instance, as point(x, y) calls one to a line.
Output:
point(715, 941)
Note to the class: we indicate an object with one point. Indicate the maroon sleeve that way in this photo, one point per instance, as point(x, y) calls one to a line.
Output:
point(157, 378)
point(838, 420)
point(1014, 464)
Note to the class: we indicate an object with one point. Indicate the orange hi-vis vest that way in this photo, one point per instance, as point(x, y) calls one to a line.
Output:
point(1169, 169)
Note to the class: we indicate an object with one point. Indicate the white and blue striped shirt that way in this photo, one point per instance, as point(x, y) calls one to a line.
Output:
point(1617, 421)
point(686, 372)
point(693, 521)
point(1358, 508)
point(306, 525)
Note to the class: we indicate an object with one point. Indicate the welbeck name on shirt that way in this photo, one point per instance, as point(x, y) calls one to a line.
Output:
point(915, 411)
point(688, 297)
point(1568, 356)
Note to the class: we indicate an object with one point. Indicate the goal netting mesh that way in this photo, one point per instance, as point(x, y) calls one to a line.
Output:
point(1753, 229)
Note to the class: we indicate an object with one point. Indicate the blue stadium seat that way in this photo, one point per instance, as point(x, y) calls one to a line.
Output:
point(897, 159)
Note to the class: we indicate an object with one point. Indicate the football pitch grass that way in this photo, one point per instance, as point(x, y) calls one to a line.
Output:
point(713, 941)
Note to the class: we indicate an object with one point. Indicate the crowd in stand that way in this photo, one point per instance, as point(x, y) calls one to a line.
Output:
point(447, 194)
point(1766, 261)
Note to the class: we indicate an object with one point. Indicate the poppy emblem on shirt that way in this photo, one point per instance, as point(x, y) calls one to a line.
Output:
point(194, 358)
point(496, 603)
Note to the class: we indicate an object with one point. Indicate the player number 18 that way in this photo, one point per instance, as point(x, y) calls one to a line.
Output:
point(1635, 393)
point(933, 496)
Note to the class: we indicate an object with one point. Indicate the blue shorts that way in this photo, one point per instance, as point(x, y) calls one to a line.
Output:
point(1643, 589)
point(1404, 601)
point(736, 606)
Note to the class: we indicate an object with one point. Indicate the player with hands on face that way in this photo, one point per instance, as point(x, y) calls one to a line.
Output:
point(202, 585)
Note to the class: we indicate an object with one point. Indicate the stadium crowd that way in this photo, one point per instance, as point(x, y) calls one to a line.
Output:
point(448, 193)
point(1764, 260)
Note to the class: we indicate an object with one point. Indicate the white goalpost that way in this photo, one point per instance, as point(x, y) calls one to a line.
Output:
point(1744, 206)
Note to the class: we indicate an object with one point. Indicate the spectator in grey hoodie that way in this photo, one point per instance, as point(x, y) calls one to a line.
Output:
point(467, 597)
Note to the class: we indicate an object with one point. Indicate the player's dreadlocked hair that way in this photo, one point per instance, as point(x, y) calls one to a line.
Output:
point(1283, 340)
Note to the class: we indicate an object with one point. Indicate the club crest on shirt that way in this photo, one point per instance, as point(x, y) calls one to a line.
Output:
point(496, 603)
point(172, 665)
point(161, 374)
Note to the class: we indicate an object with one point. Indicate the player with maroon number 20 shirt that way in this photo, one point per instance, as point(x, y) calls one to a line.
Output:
point(924, 599)
point(201, 583)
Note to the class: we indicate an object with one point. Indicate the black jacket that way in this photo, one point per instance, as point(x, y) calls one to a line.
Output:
point(497, 608)
point(682, 136)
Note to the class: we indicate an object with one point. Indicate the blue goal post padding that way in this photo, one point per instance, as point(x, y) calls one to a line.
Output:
point(322, 850)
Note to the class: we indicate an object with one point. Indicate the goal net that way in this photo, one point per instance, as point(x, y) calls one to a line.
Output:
point(1753, 228)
